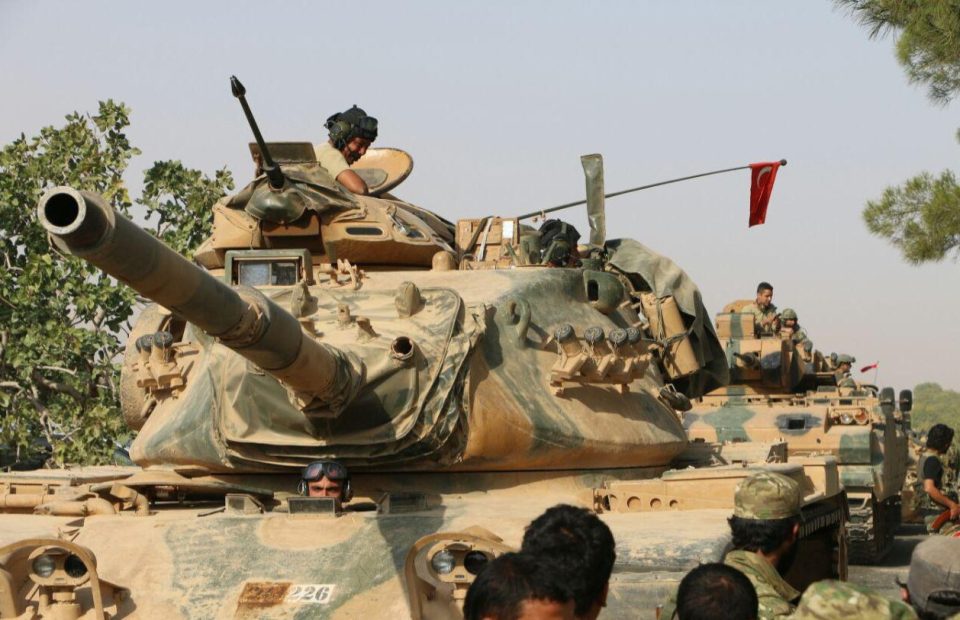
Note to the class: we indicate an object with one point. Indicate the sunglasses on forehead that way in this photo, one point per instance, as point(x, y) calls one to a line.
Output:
point(329, 469)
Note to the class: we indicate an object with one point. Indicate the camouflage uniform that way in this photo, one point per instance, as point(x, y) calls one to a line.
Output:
point(760, 315)
point(762, 496)
point(331, 159)
point(828, 599)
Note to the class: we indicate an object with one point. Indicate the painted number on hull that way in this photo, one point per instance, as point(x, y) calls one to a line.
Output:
point(315, 593)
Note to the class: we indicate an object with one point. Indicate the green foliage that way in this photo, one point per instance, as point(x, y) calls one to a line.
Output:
point(61, 321)
point(921, 217)
point(932, 404)
point(928, 38)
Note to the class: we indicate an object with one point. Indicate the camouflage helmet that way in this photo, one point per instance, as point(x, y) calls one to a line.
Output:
point(829, 599)
point(767, 496)
point(843, 358)
point(934, 579)
point(788, 314)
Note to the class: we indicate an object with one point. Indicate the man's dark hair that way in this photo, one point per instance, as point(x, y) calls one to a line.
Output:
point(764, 286)
point(939, 437)
point(500, 590)
point(716, 591)
point(763, 535)
point(579, 546)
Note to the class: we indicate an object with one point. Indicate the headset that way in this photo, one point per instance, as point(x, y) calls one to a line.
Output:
point(333, 470)
point(354, 123)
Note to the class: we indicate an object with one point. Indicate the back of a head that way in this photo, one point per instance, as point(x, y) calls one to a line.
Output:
point(934, 579)
point(579, 545)
point(501, 589)
point(828, 599)
point(713, 591)
point(939, 437)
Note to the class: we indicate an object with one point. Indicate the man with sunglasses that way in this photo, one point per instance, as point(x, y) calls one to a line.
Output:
point(351, 134)
point(326, 479)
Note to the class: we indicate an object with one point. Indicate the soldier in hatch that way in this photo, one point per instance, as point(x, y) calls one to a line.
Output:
point(763, 310)
point(765, 527)
point(326, 479)
point(558, 243)
point(936, 477)
point(789, 321)
point(842, 373)
point(351, 134)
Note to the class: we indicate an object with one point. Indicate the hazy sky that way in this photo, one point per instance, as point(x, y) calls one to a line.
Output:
point(496, 101)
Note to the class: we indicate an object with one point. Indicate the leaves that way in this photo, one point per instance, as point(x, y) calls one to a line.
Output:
point(933, 405)
point(921, 217)
point(62, 321)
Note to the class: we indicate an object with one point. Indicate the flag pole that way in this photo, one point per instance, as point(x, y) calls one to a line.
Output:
point(783, 162)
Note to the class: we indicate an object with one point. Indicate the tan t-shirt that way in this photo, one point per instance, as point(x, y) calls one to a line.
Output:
point(331, 160)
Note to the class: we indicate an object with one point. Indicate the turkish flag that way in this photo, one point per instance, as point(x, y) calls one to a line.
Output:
point(870, 367)
point(762, 176)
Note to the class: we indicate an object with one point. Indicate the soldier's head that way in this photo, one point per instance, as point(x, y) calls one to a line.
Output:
point(326, 479)
point(845, 362)
point(789, 318)
point(716, 591)
point(939, 437)
point(841, 599)
point(579, 547)
point(766, 517)
point(558, 243)
point(352, 132)
point(519, 586)
point(933, 584)
point(764, 294)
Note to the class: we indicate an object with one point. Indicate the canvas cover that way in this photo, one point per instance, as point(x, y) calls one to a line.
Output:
point(651, 271)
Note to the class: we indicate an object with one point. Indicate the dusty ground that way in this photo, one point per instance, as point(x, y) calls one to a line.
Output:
point(896, 564)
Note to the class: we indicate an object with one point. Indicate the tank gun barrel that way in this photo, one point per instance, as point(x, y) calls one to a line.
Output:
point(84, 225)
point(270, 168)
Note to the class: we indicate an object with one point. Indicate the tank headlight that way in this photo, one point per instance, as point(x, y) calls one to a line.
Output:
point(44, 566)
point(846, 418)
point(75, 567)
point(442, 562)
point(475, 562)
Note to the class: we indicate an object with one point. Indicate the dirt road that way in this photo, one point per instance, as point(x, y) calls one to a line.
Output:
point(880, 578)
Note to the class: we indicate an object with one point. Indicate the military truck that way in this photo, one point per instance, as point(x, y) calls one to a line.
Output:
point(467, 387)
point(781, 390)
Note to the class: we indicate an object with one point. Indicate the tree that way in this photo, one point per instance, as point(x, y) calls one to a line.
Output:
point(933, 405)
point(62, 321)
point(921, 217)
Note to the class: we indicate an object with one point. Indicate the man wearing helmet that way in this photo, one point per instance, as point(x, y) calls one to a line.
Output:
point(789, 321)
point(326, 479)
point(351, 134)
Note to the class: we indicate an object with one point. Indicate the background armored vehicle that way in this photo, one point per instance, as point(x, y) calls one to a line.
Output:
point(465, 385)
point(781, 391)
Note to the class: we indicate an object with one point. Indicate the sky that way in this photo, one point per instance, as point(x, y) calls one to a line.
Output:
point(497, 100)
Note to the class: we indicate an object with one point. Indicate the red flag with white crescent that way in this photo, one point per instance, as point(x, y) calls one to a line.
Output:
point(762, 176)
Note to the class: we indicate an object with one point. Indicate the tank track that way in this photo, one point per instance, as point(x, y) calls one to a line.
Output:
point(871, 530)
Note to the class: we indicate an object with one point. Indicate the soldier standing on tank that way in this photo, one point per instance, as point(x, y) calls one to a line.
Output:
point(351, 134)
point(763, 310)
point(936, 477)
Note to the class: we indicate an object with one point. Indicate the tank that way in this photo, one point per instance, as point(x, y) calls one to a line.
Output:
point(781, 390)
point(466, 386)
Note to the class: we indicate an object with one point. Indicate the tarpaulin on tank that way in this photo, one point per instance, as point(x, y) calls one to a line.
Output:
point(307, 188)
point(663, 277)
point(405, 409)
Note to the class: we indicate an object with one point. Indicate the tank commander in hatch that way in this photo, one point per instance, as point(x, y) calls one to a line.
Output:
point(326, 479)
point(351, 134)
point(558, 243)
point(763, 310)
point(789, 321)
point(842, 373)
